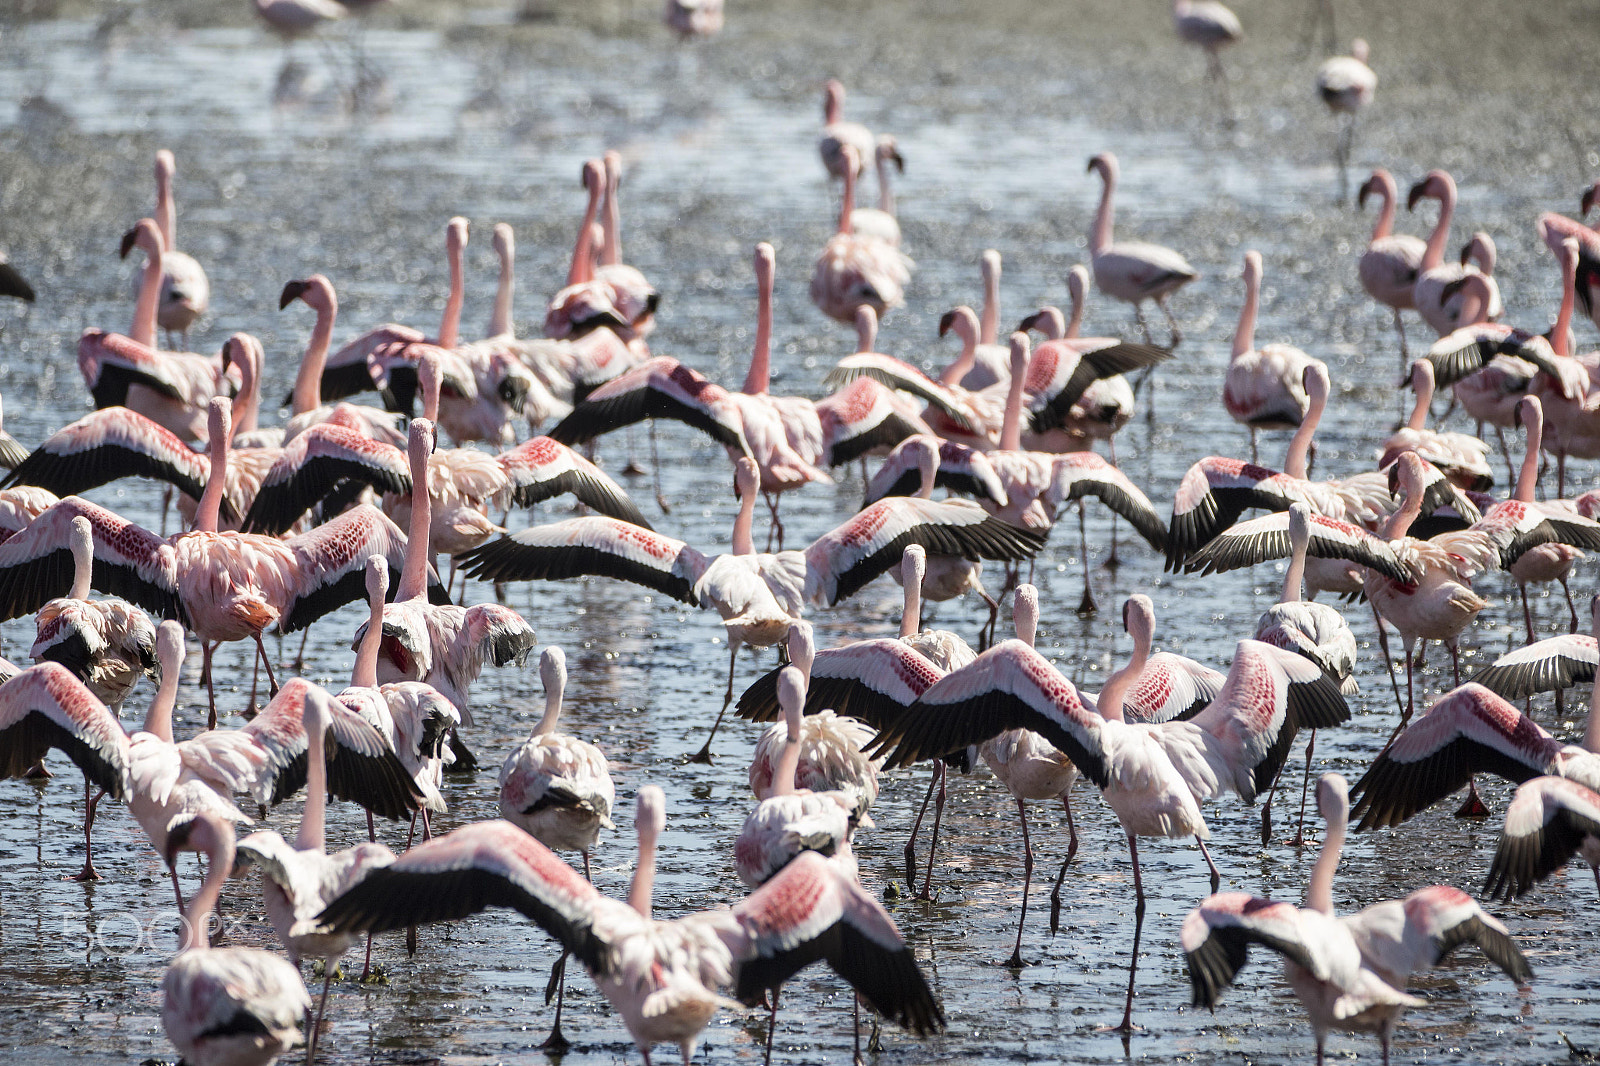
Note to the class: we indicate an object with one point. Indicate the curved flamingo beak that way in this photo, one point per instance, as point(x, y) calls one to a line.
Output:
point(1031, 322)
point(1588, 200)
point(946, 320)
point(1362, 193)
point(900, 165)
point(292, 291)
point(129, 239)
point(1455, 286)
point(1418, 191)
point(1466, 252)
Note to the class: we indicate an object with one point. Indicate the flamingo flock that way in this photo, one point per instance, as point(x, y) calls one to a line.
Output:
point(406, 510)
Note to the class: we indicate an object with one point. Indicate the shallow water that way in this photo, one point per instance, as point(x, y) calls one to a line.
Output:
point(488, 111)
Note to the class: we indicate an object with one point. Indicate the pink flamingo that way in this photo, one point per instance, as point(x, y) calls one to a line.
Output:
point(1550, 820)
point(316, 292)
point(185, 289)
point(1553, 229)
point(298, 880)
point(170, 388)
point(559, 789)
point(1212, 26)
point(227, 1006)
point(1133, 271)
point(1264, 386)
point(604, 294)
point(838, 134)
point(1153, 776)
point(1389, 267)
point(690, 19)
point(1346, 84)
point(1435, 305)
point(441, 644)
point(662, 977)
point(1461, 457)
point(226, 586)
point(988, 361)
point(855, 270)
point(636, 298)
point(1349, 973)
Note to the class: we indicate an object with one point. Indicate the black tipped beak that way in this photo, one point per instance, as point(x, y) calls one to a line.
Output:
point(900, 165)
point(292, 291)
point(1588, 200)
point(1089, 168)
point(1455, 286)
point(1466, 253)
point(1031, 322)
point(1365, 191)
point(128, 241)
point(1416, 193)
point(14, 284)
point(946, 320)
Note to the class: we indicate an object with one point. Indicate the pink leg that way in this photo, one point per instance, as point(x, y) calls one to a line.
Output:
point(1015, 961)
point(938, 813)
point(911, 841)
point(1138, 930)
point(90, 803)
point(1072, 850)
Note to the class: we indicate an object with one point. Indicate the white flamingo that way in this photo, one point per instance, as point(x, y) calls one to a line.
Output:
point(1133, 271)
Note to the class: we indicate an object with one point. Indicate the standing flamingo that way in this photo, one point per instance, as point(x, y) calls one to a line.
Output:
point(662, 977)
point(226, 1006)
point(1264, 387)
point(1346, 84)
point(1133, 271)
point(1389, 267)
point(559, 789)
point(1439, 308)
point(1212, 26)
point(1553, 229)
point(1349, 973)
point(855, 270)
point(185, 289)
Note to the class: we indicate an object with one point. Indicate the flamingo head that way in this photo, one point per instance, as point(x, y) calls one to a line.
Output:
point(504, 240)
point(746, 477)
point(1021, 349)
point(1252, 268)
point(1139, 618)
point(166, 165)
point(1078, 283)
point(964, 320)
point(205, 832)
point(593, 176)
point(146, 236)
point(553, 669)
point(1436, 185)
point(455, 234)
point(889, 151)
point(1333, 798)
point(1481, 247)
point(1422, 377)
point(1025, 613)
point(650, 810)
point(766, 264)
point(913, 565)
point(1528, 412)
point(1105, 163)
point(612, 162)
point(1299, 526)
point(801, 645)
point(832, 101)
point(1315, 381)
point(316, 292)
point(866, 328)
point(1569, 253)
point(170, 650)
point(377, 578)
point(420, 440)
point(1589, 196)
point(1359, 50)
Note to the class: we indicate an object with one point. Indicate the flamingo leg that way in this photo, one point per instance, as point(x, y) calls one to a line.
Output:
point(1253, 455)
point(1144, 326)
point(911, 841)
point(632, 469)
point(1572, 609)
point(704, 754)
point(557, 988)
point(90, 803)
point(208, 649)
point(322, 1005)
point(772, 1023)
point(1205, 853)
point(777, 523)
point(1072, 850)
point(1561, 474)
point(1086, 606)
point(1015, 961)
point(655, 463)
point(933, 844)
point(1455, 660)
point(1220, 77)
point(855, 1018)
point(299, 664)
point(1172, 323)
point(272, 682)
point(427, 831)
point(1388, 660)
point(1305, 787)
point(1400, 328)
point(1527, 612)
point(1266, 814)
point(177, 890)
point(1505, 453)
point(1138, 930)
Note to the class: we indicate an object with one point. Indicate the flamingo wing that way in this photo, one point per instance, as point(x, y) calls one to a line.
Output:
point(483, 865)
point(1217, 935)
point(1543, 666)
point(1517, 528)
point(1059, 372)
point(590, 547)
point(1469, 349)
point(904, 377)
point(848, 557)
point(1267, 537)
point(1010, 686)
point(362, 768)
point(46, 707)
point(313, 464)
point(812, 911)
point(1079, 474)
point(107, 445)
point(543, 467)
point(1213, 494)
point(36, 564)
point(349, 370)
point(659, 388)
point(111, 362)
point(962, 470)
point(872, 680)
point(331, 563)
point(1549, 820)
point(1399, 938)
point(861, 419)
point(1469, 730)
point(1171, 688)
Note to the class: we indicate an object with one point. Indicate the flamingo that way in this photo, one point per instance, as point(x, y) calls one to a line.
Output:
point(662, 977)
point(226, 1006)
point(441, 644)
point(1549, 820)
point(1389, 267)
point(1554, 663)
point(559, 789)
point(1461, 457)
point(185, 289)
point(608, 294)
point(636, 298)
point(694, 18)
point(1133, 271)
point(1346, 84)
point(1554, 229)
point(857, 270)
point(880, 221)
point(838, 134)
point(980, 364)
point(226, 586)
point(1433, 302)
point(296, 18)
point(171, 388)
point(1107, 405)
point(1153, 776)
point(298, 880)
point(1470, 730)
point(316, 292)
point(1349, 973)
point(1264, 387)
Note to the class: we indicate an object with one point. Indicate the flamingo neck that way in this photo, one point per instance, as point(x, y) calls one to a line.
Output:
point(1434, 255)
point(1109, 702)
point(1422, 382)
point(197, 917)
point(1528, 476)
point(611, 222)
point(414, 576)
point(1011, 427)
point(1300, 444)
point(989, 323)
point(1244, 337)
point(759, 378)
point(1591, 728)
point(911, 616)
point(1294, 578)
point(1562, 331)
point(312, 829)
point(969, 353)
point(1386, 209)
point(644, 873)
point(1075, 323)
point(1100, 234)
point(365, 672)
point(580, 270)
point(744, 542)
point(166, 208)
point(144, 311)
point(82, 565)
point(1399, 523)
point(500, 321)
point(308, 381)
point(158, 719)
point(450, 324)
point(246, 411)
point(552, 712)
point(1319, 893)
point(207, 514)
point(847, 204)
point(885, 190)
point(789, 759)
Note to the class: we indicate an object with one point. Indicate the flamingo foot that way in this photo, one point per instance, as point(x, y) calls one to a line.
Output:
point(88, 873)
point(557, 1042)
point(1015, 961)
point(1474, 807)
point(633, 469)
point(1266, 824)
point(1087, 606)
point(37, 772)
